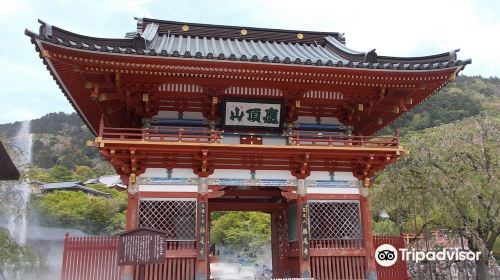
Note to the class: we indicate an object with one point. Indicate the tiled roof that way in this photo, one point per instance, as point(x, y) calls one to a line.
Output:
point(61, 185)
point(202, 41)
point(77, 185)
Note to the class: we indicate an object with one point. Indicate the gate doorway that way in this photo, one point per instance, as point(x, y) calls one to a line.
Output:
point(240, 245)
point(264, 209)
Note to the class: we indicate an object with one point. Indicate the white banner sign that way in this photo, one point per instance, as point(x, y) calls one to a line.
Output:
point(253, 114)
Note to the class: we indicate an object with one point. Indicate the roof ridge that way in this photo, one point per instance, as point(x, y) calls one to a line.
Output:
point(236, 27)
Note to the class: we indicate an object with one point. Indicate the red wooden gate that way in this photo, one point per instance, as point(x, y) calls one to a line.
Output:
point(399, 270)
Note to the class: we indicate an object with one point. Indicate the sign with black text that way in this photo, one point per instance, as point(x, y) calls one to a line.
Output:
point(141, 246)
point(239, 114)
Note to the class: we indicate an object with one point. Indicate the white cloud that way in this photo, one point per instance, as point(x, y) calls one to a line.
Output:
point(10, 7)
point(393, 27)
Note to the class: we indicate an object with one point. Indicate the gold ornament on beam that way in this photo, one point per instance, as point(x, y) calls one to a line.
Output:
point(366, 182)
point(395, 109)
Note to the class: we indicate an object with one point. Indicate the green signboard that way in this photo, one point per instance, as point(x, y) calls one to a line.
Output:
point(252, 114)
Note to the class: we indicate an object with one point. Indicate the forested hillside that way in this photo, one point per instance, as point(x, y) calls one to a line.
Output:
point(60, 139)
point(462, 98)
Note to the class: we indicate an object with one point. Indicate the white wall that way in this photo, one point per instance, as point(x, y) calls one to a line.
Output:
point(231, 174)
point(307, 120)
point(273, 174)
point(167, 114)
point(274, 141)
point(168, 188)
point(175, 115)
point(341, 176)
point(339, 190)
point(176, 173)
point(329, 120)
point(319, 175)
point(231, 139)
point(193, 116)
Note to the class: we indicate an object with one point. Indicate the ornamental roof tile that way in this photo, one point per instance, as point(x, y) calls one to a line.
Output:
point(257, 45)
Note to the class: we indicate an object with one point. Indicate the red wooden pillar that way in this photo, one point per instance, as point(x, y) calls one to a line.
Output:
point(303, 234)
point(366, 219)
point(131, 223)
point(202, 236)
point(275, 244)
point(132, 211)
point(279, 242)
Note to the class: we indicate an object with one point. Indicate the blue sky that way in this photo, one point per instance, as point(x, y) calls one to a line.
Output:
point(393, 27)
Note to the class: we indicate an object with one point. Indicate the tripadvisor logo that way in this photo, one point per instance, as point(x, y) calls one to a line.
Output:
point(386, 255)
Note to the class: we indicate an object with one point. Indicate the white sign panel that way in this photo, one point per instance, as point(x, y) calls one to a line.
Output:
point(249, 114)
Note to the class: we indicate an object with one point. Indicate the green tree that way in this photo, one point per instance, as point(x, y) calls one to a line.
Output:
point(245, 232)
point(83, 173)
point(93, 215)
point(61, 173)
point(65, 208)
point(15, 257)
point(450, 180)
point(386, 228)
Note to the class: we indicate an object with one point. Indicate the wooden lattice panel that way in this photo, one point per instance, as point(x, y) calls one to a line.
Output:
point(176, 217)
point(334, 220)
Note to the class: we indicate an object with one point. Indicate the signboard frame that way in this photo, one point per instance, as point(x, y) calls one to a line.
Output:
point(230, 127)
point(134, 259)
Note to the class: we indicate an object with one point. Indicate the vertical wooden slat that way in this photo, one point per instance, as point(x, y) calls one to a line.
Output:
point(165, 270)
point(95, 258)
point(329, 271)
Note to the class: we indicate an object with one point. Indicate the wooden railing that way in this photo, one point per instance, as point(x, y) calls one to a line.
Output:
point(163, 134)
point(181, 245)
point(335, 139)
point(190, 135)
point(337, 244)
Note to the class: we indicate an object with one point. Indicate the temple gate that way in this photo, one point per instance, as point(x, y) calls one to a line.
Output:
point(199, 118)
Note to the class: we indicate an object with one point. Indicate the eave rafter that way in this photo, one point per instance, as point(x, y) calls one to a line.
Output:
point(372, 98)
point(154, 66)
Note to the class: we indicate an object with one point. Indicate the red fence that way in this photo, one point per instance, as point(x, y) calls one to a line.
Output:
point(398, 271)
point(338, 267)
point(90, 258)
point(95, 258)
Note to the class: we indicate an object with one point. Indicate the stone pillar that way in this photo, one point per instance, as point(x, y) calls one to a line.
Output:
point(202, 228)
point(303, 228)
point(131, 220)
point(366, 224)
